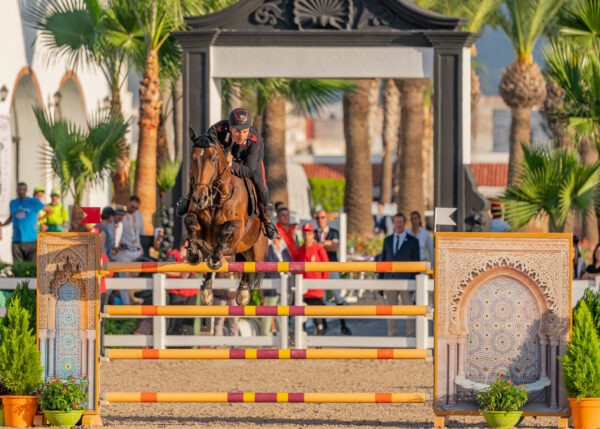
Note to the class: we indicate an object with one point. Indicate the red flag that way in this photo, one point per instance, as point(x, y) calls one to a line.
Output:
point(92, 215)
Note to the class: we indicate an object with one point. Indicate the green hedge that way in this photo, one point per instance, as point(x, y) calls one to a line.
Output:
point(329, 193)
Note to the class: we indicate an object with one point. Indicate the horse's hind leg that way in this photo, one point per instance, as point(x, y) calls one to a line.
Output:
point(191, 225)
point(206, 289)
point(215, 259)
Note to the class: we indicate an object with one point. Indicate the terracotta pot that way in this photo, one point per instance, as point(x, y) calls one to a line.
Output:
point(585, 412)
point(19, 410)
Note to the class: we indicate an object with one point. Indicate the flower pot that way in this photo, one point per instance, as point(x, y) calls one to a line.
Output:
point(1, 417)
point(19, 410)
point(63, 418)
point(502, 419)
point(585, 412)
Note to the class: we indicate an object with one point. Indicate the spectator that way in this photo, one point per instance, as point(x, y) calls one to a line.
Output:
point(329, 239)
point(107, 232)
point(310, 251)
point(117, 229)
point(578, 261)
point(426, 251)
point(38, 192)
point(592, 271)
point(129, 248)
point(180, 296)
point(285, 229)
point(498, 224)
point(400, 246)
point(277, 252)
point(24, 216)
point(382, 223)
point(57, 221)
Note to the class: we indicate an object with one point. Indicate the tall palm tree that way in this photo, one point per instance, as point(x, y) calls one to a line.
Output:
point(73, 29)
point(551, 182)
point(150, 47)
point(358, 193)
point(522, 85)
point(391, 122)
point(81, 157)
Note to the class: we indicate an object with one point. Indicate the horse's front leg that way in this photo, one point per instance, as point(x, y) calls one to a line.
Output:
point(215, 259)
point(192, 226)
point(206, 289)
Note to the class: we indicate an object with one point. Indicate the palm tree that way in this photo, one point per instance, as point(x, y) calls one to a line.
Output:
point(150, 48)
point(358, 193)
point(74, 30)
point(391, 122)
point(551, 182)
point(81, 157)
point(522, 85)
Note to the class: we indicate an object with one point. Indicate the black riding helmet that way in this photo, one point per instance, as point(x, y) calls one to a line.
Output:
point(240, 119)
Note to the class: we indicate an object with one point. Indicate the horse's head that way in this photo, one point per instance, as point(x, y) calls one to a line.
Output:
point(208, 161)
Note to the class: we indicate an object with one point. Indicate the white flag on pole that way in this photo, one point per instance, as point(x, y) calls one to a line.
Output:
point(442, 217)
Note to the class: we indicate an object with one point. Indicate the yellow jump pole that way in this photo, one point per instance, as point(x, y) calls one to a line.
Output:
point(252, 397)
point(267, 354)
point(265, 310)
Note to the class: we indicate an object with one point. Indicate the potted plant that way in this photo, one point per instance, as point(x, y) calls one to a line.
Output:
point(500, 401)
point(63, 401)
point(20, 366)
point(581, 368)
point(3, 392)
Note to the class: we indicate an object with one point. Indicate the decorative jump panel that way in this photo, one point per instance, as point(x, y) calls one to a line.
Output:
point(502, 308)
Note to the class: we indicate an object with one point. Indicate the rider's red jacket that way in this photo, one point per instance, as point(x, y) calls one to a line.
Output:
point(247, 157)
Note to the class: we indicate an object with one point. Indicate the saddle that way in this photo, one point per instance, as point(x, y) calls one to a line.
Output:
point(252, 198)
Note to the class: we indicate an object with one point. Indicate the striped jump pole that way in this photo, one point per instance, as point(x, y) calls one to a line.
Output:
point(266, 310)
point(252, 397)
point(269, 267)
point(267, 354)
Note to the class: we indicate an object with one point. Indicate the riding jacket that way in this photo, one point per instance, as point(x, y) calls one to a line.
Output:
point(247, 157)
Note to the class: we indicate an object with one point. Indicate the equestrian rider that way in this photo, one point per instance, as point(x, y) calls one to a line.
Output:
point(245, 149)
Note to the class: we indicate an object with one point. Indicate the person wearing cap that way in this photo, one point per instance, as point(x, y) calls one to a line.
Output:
point(24, 212)
point(38, 192)
point(245, 150)
point(57, 221)
point(311, 251)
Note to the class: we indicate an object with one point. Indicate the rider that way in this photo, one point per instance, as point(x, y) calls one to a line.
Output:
point(245, 147)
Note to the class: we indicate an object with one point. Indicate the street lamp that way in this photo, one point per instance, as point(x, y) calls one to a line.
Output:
point(3, 93)
point(106, 103)
point(57, 98)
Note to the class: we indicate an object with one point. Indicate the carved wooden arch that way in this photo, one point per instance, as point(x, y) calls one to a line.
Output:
point(503, 271)
point(70, 74)
point(26, 71)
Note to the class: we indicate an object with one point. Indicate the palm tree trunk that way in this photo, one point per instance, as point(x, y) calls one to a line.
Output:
point(274, 128)
point(358, 193)
point(391, 122)
point(428, 156)
point(162, 149)
point(373, 101)
point(120, 175)
point(178, 116)
point(520, 133)
point(145, 172)
point(591, 226)
point(410, 196)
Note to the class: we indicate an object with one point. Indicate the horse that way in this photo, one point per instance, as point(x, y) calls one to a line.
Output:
point(218, 222)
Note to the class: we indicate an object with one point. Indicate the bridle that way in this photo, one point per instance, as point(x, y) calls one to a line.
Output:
point(214, 187)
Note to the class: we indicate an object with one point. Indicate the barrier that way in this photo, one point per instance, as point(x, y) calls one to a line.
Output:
point(265, 310)
point(267, 354)
point(280, 397)
point(269, 267)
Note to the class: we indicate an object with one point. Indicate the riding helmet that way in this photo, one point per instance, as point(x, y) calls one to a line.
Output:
point(240, 119)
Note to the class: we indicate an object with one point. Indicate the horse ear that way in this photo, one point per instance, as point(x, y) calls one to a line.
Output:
point(192, 134)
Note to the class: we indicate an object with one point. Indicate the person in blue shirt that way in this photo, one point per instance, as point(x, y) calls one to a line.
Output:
point(24, 216)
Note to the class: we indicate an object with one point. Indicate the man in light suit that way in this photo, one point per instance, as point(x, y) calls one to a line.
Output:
point(400, 246)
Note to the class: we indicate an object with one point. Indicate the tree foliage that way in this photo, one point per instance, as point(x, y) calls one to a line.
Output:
point(328, 193)
point(27, 300)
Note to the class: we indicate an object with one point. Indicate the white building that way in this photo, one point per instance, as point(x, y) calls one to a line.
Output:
point(28, 78)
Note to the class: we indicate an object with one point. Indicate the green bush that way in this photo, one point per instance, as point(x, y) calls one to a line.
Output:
point(64, 395)
point(27, 299)
point(24, 269)
point(329, 193)
point(19, 357)
point(581, 364)
point(120, 326)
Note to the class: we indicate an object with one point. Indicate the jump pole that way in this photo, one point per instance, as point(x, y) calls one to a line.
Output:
point(268, 267)
point(281, 397)
point(266, 310)
point(250, 354)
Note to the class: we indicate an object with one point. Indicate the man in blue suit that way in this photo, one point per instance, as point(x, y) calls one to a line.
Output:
point(400, 246)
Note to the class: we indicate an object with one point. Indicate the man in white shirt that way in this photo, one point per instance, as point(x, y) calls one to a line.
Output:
point(426, 250)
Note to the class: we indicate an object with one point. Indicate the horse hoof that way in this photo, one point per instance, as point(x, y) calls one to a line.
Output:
point(193, 257)
point(214, 264)
point(242, 297)
point(207, 296)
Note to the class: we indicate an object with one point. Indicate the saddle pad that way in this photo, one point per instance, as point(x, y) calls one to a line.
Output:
point(252, 204)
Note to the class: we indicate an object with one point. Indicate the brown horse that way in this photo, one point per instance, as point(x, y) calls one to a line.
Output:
point(217, 221)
